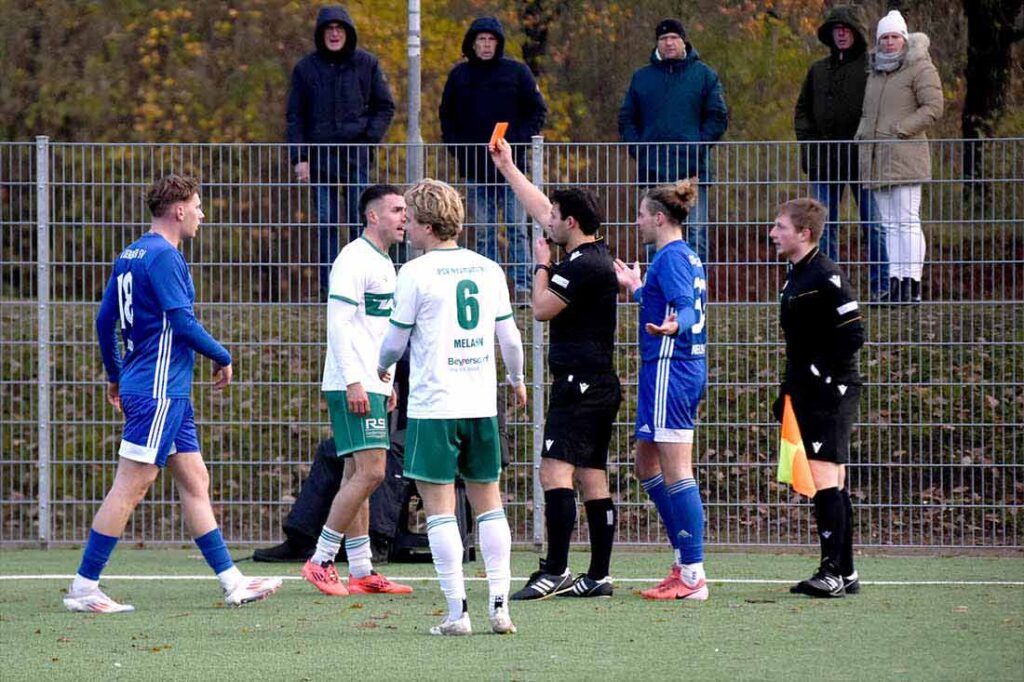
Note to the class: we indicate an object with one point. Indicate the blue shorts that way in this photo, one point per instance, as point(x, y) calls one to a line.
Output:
point(669, 392)
point(155, 428)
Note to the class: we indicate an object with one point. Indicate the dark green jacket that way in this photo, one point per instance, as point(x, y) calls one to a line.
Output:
point(830, 102)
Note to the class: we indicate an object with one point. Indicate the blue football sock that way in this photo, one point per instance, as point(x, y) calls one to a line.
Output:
point(688, 516)
point(215, 551)
point(97, 552)
point(656, 490)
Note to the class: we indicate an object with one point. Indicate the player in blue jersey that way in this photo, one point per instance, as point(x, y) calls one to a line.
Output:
point(148, 302)
point(673, 372)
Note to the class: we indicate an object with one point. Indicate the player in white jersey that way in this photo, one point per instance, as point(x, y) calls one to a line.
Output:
point(450, 303)
point(360, 301)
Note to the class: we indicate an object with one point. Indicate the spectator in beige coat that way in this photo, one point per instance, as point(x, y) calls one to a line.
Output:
point(902, 99)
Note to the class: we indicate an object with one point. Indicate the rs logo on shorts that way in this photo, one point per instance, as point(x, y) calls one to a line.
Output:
point(376, 427)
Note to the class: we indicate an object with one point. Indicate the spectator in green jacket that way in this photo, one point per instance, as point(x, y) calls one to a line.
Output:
point(827, 113)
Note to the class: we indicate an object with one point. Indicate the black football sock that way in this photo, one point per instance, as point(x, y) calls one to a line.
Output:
point(831, 515)
point(560, 516)
point(846, 555)
point(601, 520)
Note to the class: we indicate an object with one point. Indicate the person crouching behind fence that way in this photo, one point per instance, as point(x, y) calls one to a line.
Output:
point(450, 303)
point(148, 299)
point(902, 99)
point(823, 329)
point(673, 373)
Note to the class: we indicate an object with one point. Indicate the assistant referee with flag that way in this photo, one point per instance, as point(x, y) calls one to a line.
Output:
point(822, 324)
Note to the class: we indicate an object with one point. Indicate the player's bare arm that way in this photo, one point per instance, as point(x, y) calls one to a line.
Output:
point(628, 276)
point(669, 327)
point(520, 393)
point(114, 395)
point(222, 376)
point(358, 400)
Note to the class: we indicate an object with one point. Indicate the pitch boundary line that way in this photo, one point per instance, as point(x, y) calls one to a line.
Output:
point(718, 581)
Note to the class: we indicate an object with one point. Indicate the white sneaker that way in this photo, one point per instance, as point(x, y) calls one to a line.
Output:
point(251, 589)
point(94, 602)
point(454, 627)
point(501, 622)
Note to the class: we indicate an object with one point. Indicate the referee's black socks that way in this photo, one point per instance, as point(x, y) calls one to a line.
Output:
point(601, 519)
point(846, 556)
point(830, 511)
point(560, 516)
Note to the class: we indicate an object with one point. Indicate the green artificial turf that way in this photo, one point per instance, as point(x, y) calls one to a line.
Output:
point(745, 631)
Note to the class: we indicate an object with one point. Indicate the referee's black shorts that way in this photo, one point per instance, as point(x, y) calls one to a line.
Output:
point(825, 414)
point(581, 413)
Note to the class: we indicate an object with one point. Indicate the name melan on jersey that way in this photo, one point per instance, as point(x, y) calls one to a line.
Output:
point(476, 342)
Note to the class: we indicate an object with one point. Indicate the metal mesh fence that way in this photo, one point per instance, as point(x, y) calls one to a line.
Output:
point(936, 455)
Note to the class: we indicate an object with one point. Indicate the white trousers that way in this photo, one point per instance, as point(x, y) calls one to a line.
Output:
point(899, 211)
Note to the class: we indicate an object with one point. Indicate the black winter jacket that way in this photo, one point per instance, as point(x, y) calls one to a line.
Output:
point(338, 97)
point(479, 94)
point(830, 102)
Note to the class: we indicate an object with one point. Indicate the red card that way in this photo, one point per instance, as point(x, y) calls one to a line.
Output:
point(499, 132)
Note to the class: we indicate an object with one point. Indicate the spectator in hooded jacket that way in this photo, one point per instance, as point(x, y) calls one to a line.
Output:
point(481, 91)
point(827, 114)
point(339, 96)
point(676, 98)
point(903, 97)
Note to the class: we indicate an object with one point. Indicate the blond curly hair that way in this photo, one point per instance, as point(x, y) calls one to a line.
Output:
point(437, 204)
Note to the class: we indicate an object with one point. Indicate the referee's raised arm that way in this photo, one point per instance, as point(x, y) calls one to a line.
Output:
point(536, 202)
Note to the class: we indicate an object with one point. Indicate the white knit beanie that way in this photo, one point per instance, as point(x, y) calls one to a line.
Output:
point(893, 22)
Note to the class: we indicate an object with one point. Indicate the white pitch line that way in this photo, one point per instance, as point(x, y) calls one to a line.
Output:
point(720, 581)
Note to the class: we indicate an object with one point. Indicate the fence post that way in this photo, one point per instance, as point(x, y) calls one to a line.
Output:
point(537, 364)
point(43, 292)
point(414, 161)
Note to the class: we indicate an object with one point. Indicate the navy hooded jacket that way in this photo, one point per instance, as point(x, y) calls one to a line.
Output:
point(673, 100)
point(336, 97)
point(479, 94)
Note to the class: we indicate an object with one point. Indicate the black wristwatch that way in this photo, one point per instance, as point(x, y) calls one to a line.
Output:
point(542, 266)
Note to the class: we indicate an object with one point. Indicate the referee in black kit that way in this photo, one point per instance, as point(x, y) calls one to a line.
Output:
point(823, 328)
point(579, 296)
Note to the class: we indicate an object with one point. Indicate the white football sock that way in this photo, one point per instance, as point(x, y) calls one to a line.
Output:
point(496, 546)
point(446, 547)
point(692, 573)
point(229, 578)
point(358, 550)
point(327, 546)
point(83, 585)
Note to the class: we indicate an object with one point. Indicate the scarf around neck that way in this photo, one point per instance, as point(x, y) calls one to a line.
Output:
point(888, 63)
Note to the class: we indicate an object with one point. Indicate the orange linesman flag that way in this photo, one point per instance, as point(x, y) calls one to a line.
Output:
point(793, 466)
